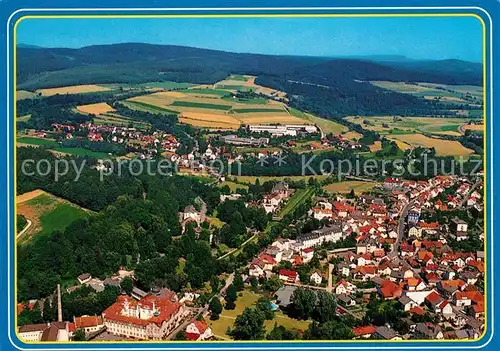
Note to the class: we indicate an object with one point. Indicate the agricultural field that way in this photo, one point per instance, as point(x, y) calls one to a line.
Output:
point(327, 126)
point(26, 140)
point(150, 85)
point(213, 107)
point(468, 94)
point(346, 186)
point(249, 299)
point(390, 125)
point(74, 89)
point(23, 118)
point(376, 146)
point(95, 109)
point(76, 151)
point(352, 135)
point(47, 213)
point(443, 147)
point(24, 94)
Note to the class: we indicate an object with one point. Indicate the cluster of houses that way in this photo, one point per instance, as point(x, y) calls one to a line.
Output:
point(279, 194)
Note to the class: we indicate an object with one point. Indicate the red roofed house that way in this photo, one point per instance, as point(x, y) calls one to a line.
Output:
point(198, 331)
point(151, 317)
point(288, 276)
point(89, 324)
point(364, 332)
point(390, 290)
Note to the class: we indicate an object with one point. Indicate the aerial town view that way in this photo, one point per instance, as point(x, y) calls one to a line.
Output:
point(266, 182)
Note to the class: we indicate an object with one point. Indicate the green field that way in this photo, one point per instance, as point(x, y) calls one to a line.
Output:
point(36, 141)
point(48, 213)
point(234, 186)
point(254, 100)
point(207, 91)
point(141, 106)
point(200, 105)
point(23, 118)
point(76, 151)
point(159, 85)
point(257, 110)
point(235, 87)
point(238, 77)
point(299, 197)
point(327, 126)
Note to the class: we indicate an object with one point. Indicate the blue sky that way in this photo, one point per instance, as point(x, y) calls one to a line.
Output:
point(417, 37)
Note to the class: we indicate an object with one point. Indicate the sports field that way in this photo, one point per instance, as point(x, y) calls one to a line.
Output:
point(73, 89)
point(47, 213)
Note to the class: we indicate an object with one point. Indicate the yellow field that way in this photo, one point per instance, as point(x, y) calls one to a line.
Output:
point(352, 135)
point(74, 89)
point(95, 109)
point(443, 147)
point(376, 146)
point(24, 94)
point(346, 186)
point(478, 127)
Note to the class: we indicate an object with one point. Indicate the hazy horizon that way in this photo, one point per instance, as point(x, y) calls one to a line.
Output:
point(418, 38)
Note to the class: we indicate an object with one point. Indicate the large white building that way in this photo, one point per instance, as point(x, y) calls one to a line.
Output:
point(282, 130)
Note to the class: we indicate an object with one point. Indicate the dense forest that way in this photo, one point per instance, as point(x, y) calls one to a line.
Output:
point(137, 218)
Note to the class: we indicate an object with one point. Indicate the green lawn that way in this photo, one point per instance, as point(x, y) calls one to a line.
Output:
point(248, 299)
point(36, 141)
point(234, 186)
point(201, 105)
point(299, 197)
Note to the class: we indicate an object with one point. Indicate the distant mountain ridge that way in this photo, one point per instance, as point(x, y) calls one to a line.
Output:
point(140, 62)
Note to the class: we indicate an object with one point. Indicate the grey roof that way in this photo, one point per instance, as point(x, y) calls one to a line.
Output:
point(111, 282)
point(284, 295)
point(138, 292)
point(344, 298)
point(319, 233)
point(386, 333)
point(404, 300)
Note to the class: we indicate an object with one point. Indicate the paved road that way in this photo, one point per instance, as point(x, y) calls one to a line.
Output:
point(330, 278)
point(401, 228)
point(471, 190)
point(28, 225)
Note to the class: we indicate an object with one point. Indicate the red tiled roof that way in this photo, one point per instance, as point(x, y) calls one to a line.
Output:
point(88, 321)
point(165, 307)
point(366, 330)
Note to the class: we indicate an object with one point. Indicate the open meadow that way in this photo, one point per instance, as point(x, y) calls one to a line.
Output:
point(73, 89)
point(46, 213)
